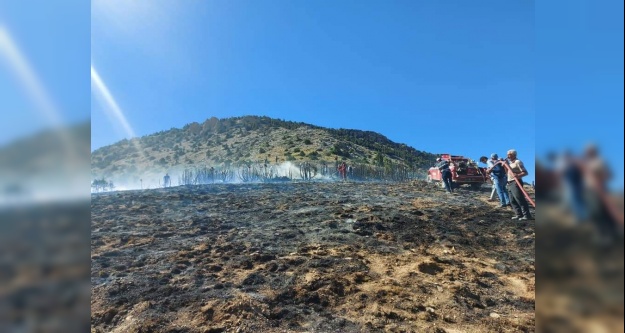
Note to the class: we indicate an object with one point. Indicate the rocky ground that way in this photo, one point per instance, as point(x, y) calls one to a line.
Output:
point(309, 257)
point(44, 267)
point(581, 279)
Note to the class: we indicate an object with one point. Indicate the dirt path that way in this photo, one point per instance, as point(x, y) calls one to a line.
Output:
point(309, 257)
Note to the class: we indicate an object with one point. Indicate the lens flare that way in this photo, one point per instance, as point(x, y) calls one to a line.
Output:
point(18, 63)
point(113, 109)
point(38, 179)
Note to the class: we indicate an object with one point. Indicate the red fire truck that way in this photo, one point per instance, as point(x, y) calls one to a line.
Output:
point(463, 171)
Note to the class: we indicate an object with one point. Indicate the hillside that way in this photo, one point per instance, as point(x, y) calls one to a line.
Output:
point(309, 257)
point(242, 141)
point(49, 164)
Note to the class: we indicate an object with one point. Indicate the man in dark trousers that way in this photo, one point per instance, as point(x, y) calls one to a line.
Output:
point(443, 167)
point(516, 171)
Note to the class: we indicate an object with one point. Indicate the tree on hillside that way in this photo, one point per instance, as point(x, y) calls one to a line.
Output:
point(102, 185)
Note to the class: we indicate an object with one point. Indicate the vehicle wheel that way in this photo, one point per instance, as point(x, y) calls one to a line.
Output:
point(443, 184)
point(428, 179)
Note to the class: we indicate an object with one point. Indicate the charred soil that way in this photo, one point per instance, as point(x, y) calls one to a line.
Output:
point(309, 257)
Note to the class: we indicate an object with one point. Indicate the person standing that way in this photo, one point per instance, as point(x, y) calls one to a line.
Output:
point(571, 174)
point(596, 177)
point(493, 191)
point(342, 171)
point(516, 171)
point(166, 180)
point(443, 167)
point(497, 173)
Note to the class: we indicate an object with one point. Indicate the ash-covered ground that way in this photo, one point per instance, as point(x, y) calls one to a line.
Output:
point(309, 257)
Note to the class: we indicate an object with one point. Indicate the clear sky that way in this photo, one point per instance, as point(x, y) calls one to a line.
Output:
point(44, 58)
point(579, 81)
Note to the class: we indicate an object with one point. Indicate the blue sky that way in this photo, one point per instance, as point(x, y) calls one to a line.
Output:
point(579, 81)
point(453, 77)
point(51, 39)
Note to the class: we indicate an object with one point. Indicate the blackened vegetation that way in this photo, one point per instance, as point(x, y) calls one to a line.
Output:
point(304, 171)
point(44, 276)
point(308, 257)
point(102, 185)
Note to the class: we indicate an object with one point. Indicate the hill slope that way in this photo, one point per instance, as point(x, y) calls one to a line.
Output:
point(50, 164)
point(232, 142)
point(309, 257)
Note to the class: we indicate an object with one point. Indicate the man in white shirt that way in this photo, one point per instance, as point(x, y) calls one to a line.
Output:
point(516, 171)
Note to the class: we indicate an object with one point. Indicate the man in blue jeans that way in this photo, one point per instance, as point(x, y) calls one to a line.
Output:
point(443, 167)
point(497, 173)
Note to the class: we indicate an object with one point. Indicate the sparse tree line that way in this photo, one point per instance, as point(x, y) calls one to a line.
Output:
point(206, 175)
point(102, 185)
point(307, 171)
point(367, 172)
point(248, 172)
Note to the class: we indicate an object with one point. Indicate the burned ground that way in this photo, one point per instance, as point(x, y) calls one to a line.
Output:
point(309, 257)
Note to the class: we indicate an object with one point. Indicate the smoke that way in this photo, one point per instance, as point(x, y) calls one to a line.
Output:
point(285, 171)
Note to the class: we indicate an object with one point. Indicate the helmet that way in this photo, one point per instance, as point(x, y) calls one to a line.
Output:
point(438, 159)
point(494, 156)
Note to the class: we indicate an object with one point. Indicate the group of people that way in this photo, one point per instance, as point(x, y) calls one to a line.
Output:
point(507, 177)
point(584, 189)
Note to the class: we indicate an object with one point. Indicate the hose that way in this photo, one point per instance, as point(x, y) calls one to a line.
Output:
point(520, 184)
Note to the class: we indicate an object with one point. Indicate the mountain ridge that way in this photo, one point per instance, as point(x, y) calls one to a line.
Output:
point(236, 141)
